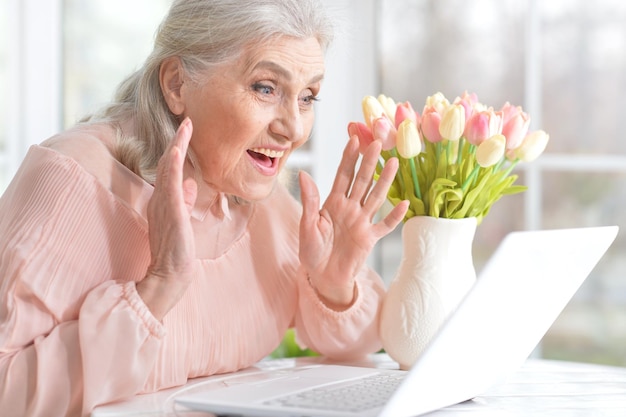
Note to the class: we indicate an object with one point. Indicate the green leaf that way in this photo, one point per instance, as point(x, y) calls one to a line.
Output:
point(288, 348)
point(441, 189)
point(471, 198)
point(449, 187)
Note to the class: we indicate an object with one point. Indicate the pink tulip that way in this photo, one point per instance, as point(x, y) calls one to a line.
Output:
point(384, 131)
point(468, 101)
point(364, 134)
point(515, 125)
point(482, 125)
point(405, 111)
point(430, 126)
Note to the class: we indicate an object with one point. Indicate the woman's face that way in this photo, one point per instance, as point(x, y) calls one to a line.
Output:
point(251, 113)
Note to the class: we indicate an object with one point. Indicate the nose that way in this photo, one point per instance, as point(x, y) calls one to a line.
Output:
point(288, 122)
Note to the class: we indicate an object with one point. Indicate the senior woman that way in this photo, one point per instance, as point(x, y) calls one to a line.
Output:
point(153, 242)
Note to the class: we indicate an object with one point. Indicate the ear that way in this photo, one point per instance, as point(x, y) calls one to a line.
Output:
point(171, 77)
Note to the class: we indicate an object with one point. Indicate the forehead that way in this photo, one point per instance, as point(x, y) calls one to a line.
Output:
point(291, 57)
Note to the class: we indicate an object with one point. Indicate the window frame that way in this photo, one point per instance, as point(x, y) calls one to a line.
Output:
point(36, 82)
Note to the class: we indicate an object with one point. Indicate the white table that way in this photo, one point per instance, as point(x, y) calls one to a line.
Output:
point(539, 388)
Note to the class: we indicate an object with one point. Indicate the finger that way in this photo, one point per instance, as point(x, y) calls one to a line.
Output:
point(169, 187)
point(181, 141)
point(174, 174)
point(377, 196)
point(345, 171)
point(178, 153)
point(363, 180)
point(190, 193)
point(183, 135)
point(391, 220)
point(310, 197)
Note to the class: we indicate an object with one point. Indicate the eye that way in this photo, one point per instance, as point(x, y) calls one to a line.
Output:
point(308, 98)
point(263, 88)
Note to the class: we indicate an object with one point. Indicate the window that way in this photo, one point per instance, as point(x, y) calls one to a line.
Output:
point(30, 71)
point(563, 60)
point(565, 63)
point(104, 41)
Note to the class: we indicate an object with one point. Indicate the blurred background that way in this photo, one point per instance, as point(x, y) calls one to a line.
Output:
point(563, 61)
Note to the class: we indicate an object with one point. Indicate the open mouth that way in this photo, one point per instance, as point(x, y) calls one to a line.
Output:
point(265, 158)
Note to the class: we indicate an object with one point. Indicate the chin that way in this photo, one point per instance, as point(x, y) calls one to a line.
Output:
point(257, 194)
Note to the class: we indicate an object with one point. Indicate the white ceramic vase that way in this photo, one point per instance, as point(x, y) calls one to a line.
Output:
point(435, 273)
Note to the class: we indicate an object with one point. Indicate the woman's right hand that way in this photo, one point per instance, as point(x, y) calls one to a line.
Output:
point(172, 243)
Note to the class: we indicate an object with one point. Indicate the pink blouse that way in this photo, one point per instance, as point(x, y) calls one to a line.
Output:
point(75, 334)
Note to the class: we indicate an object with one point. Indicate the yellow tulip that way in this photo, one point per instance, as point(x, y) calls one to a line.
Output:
point(532, 146)
point(372, 110)
point(437, 102)
point(452, 122)
point(408, 141)
point(389, 105)
point(491, 150)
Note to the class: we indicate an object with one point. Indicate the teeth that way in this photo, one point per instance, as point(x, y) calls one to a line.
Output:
point(268, 152)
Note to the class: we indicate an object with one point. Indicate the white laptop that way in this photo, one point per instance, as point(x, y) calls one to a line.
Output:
point(517, 296)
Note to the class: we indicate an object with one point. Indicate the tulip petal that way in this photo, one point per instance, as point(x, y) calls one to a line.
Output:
point(388, 104)
point(408, 141)
point(491, 151)
point(384, 131)
point(405, 111)
point(372, 110)
point(532, 146)
point(452, 122)
point(364, 134)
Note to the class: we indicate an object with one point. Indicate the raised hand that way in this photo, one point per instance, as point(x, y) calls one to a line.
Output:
point(336, 240)
point(172, 244)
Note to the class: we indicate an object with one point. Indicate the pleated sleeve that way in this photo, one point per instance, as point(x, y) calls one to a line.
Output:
point(74, 333)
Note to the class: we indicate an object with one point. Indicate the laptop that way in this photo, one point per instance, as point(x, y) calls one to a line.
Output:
point(519, 293)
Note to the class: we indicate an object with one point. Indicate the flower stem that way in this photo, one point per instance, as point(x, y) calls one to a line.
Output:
point(510, 168)
point(459, 155)
point(416, 184)
point(394, 153)
point(449, 152)
point(470, 178)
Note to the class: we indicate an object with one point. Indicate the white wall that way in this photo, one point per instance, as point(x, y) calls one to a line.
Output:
point(350, 75)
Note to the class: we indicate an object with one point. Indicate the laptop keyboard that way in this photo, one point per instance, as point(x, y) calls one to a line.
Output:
point(369, 392)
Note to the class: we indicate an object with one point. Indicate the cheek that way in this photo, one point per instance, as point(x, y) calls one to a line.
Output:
point(308, 128)
point(301, 142)
point(221, 151)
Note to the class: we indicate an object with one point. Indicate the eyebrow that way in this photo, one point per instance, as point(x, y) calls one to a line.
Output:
point(283, 72)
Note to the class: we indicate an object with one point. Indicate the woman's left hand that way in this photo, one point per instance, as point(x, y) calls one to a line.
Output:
point(336, 240)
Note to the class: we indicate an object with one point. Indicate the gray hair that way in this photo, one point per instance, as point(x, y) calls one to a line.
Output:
point(202, 33)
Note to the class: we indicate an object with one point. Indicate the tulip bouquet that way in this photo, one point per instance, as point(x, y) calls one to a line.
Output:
point(456, 159)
